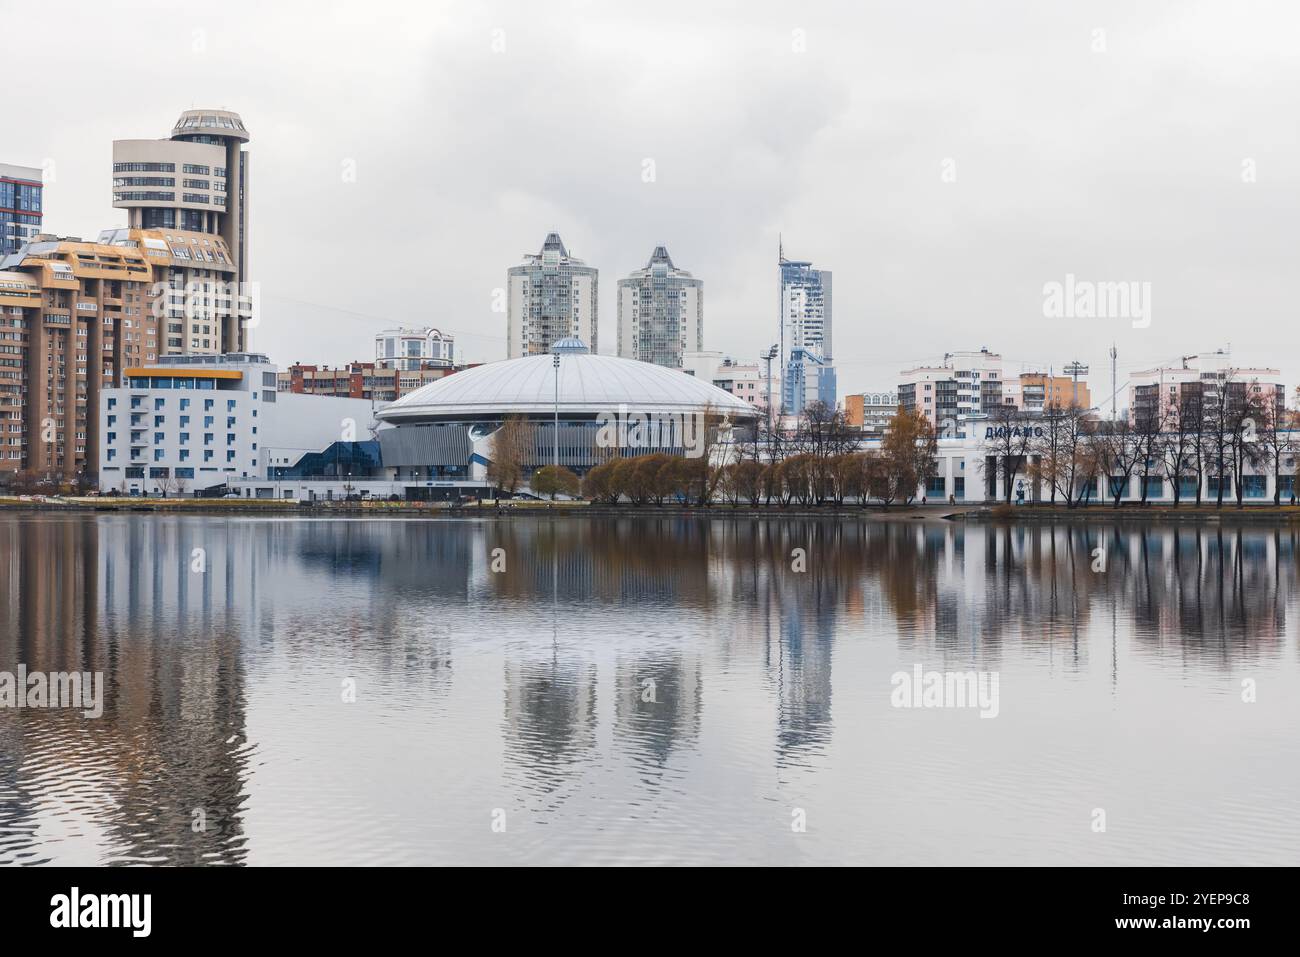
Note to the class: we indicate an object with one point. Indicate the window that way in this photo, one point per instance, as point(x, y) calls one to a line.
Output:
point(1155, 486)
point(1117, 486)
point(936, 487)
point(959, 486)
point(1254, 486)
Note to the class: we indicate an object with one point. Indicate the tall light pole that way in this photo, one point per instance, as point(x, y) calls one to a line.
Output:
point(767, 357)
point(1114, 387)
point(555, 362)
point(1074, 370)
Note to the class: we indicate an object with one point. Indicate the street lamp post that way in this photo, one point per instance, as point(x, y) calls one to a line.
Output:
point(555, 362)
point(767, 357)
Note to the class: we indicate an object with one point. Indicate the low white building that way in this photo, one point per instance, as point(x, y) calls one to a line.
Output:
point(189, 423)
point(413, 349)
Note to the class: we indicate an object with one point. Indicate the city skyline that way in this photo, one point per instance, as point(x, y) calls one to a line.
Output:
point(940, 229)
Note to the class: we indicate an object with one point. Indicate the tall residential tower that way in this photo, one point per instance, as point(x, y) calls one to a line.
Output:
point(195, 181)
point(807, 368)
point(660, 312)
point(551, 296)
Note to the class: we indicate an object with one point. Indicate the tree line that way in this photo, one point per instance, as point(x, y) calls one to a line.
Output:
point(1221, 429)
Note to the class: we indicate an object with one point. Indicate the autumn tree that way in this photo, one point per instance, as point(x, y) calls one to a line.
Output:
point(511, 448)
point(910, 449)
point(555, 479)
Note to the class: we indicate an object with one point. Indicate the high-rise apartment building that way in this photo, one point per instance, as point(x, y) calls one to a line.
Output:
point(965, 387)
point(551, 296)
point(193, 296)
point(414, 349)
point(660, 312)
point(73, 315)
point(21, 198)
point(807, 365)
point(196, 181)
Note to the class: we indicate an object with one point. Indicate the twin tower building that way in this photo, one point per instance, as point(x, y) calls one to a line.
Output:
point(553, 296)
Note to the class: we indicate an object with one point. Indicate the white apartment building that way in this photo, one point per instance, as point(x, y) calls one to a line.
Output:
point(964, 388)
point(188, 423)
point(1164, 391)
point(550, 296)
point(660, 313)
point(410, 350)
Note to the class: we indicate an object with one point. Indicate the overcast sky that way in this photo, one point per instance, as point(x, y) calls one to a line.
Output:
point(946, 160)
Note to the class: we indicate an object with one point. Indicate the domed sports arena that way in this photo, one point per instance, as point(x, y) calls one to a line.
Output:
point(597, 406)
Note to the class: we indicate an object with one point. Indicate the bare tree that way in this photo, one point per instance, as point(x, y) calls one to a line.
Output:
point(1220, 424)
point(1249, 411)
point(1047, 446)
point(1148, 436)
point(1119, 448)
point(1179, 443)
point(1011, 442)
point(512, 447)
point(1275, 442)
point(1066, 458)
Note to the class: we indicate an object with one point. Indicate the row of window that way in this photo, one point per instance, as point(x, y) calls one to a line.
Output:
point(144, 167)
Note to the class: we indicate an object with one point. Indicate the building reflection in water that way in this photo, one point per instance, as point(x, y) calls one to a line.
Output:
point(584, 615)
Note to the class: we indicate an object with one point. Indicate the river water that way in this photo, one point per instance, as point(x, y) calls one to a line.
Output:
point(281, 690)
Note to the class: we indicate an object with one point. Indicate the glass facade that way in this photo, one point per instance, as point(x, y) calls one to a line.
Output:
point(20, 212)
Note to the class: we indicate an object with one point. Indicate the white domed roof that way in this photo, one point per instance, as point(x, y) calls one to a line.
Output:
point(588, 384)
